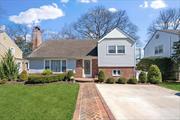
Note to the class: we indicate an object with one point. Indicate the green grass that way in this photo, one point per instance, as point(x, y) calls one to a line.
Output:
point(55, 101)
point(173, 86)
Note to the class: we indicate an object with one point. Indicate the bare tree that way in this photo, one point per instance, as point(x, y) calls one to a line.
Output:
point(167, 19)
point(97, 22)
point(67, 32)
point(21, 35)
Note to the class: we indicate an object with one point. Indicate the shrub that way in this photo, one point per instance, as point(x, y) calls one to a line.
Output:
point(132, 80)
point(142, 77)
point(9, 68)
point(47, 72)
point(2, 81)
point(70, 75)
point(110, 80)
point(101, 76)
point(35, 78)
point(24, 75)
point(167, 66)
point(154, 75)
point(122, 80)
point(61, 76)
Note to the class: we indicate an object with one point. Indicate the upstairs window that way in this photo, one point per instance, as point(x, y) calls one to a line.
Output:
point(116, 49)
point(112, 49)
point(120, 49)
point(158, 49)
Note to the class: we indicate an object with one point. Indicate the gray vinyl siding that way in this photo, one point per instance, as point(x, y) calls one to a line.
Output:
point(116, 60)
point(36, 64)
point(166, 40)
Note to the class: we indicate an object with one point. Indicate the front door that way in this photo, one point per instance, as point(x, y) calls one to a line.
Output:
point(87, 68)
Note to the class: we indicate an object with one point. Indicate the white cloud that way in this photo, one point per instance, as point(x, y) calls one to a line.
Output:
point(36, 15)
point(144, 5)
point(64, 1)
point(113, 10)
point(157, 4)
point(88, 1)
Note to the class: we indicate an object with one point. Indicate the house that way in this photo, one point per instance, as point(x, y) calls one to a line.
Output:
point(139, 54)
point(114, 54)
point(161, 43)
point(7, 43)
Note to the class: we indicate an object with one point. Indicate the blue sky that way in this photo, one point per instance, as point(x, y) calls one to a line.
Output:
point(140, 12)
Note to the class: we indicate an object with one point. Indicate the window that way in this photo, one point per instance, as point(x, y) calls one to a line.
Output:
point(63, 65)
point(158, 49)
point(120, 49)
point(19, 65)
point(12, 50)
point(116, 49)
point(112, 49)
point(47, 64)
point(116, 72)
point(55, 65)
point(157, 36)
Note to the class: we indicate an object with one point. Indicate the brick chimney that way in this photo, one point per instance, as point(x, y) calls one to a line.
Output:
point(36, 37)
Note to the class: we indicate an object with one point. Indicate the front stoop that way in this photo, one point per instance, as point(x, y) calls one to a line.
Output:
point(84, 79)
point(90, 104)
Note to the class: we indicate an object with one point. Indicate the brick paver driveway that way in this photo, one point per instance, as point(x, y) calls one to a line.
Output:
point(141, 102)
point(90, 105)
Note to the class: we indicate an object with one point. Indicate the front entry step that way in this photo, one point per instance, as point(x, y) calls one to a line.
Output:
point(84, 79)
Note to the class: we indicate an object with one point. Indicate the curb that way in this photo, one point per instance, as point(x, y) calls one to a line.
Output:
point(109, 113)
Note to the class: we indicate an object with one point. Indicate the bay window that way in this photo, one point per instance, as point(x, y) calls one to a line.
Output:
point(55, 65)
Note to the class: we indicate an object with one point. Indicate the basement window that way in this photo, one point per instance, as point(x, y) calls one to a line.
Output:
point(116, 72)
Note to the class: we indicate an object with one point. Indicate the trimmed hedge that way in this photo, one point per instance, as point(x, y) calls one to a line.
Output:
point(122, 80)
point(47, 72)
point(110, 80)
point(154, 75)
point(132, 80)
point(142, 77)
point(101, 76)
point(36, 78)
point(167, 66)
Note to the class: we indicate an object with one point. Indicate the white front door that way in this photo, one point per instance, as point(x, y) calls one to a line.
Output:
point(87, 68)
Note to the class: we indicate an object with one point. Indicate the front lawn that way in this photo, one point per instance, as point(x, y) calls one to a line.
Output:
point(55, 101)
point(173, 86)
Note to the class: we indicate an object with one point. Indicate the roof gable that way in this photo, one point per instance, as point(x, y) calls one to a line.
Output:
point(175, 32)
point(117, 33)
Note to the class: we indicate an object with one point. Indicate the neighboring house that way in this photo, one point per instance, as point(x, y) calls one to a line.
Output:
point(139, 54)
point(161, 43)
point(114, 54)
point(7, 43)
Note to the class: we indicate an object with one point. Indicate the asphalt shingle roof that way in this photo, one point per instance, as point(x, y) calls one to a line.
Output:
point(65, 49)
point(171, 31)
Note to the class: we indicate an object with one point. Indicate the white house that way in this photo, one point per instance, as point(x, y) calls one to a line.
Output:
point(161, 43)
point(114, 54)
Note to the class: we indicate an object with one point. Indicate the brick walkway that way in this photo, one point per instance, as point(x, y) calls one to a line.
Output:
point(90, 105)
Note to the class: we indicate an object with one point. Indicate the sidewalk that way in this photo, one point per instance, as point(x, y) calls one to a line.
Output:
point(90, 105)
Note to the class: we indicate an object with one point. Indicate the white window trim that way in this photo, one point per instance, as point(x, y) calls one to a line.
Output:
point(116, 75)
point(55, 59)
point(116, 53)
